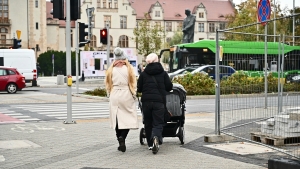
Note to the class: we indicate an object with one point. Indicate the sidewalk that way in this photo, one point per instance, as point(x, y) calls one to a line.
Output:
point(92, 144)
point(51, 81)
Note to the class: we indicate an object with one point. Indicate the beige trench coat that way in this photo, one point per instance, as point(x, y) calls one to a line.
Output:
point(121, 102)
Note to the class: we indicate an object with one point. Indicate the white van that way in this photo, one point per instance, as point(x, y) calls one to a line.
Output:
point(23, 60)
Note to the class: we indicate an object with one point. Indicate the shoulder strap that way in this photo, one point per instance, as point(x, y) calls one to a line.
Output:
point(164, 99)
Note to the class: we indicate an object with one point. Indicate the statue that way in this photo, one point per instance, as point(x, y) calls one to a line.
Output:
point(188, 27)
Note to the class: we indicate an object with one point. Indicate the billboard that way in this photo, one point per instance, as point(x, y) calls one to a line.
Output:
point(94, 63)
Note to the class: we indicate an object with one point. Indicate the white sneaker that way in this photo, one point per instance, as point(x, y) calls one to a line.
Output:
point(150, 148)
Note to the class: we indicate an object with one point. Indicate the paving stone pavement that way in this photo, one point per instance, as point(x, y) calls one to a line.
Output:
point(92, 144)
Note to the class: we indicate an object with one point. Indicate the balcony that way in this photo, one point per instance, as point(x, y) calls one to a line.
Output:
point(5, 43)
point(4, 22)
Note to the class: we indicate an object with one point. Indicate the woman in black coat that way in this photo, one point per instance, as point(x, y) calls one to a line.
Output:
point(153, 100)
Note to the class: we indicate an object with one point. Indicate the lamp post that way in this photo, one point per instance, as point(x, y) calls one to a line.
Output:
point(294, 23)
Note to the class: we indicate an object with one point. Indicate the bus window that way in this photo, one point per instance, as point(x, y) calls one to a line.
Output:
point(175, 61)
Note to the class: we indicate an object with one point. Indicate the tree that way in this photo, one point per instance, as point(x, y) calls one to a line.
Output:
point(45, 62)
point(176, 39)
point(149, 38)
point(246, 13)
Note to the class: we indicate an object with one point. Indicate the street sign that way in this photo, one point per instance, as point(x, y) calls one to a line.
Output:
point(18, 34)
point(263, 11)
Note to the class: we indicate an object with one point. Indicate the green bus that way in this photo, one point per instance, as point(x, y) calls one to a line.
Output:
point(246, 56)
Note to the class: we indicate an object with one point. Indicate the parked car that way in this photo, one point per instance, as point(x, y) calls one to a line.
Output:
point(225, 71)
point(11, 80)
point(181, 71)
point(293, 78)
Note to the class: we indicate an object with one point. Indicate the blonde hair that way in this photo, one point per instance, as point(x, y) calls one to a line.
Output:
point(131, 78)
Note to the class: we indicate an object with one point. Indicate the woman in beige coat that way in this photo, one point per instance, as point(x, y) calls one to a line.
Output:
point(120, 84)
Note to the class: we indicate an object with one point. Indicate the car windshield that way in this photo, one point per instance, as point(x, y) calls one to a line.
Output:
point(198, 69)
point(178, 71)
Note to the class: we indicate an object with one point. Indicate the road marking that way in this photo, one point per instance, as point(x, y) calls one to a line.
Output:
point(2, 159)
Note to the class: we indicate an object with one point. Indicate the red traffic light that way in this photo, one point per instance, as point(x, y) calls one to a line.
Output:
point(103, 36)
point(103, 32)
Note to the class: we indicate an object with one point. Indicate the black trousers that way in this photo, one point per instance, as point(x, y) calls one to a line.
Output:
point(153, 120)
point(121, 132)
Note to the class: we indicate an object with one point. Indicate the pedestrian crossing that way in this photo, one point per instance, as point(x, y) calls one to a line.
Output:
point(17, 116)
point(46, 112)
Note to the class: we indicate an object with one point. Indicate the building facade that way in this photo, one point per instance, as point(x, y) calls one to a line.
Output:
point(39, 31)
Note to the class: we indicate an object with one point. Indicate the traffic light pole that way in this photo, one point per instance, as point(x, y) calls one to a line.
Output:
point(76, 55)
point(68, 59)
point(108, 45)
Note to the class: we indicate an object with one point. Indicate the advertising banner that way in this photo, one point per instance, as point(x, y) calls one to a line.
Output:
point(94, 63)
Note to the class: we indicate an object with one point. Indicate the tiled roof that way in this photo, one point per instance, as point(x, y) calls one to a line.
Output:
point(174, 9)
point(62, 23)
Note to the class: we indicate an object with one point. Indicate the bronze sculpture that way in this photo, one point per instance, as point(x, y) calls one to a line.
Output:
point(188, 27)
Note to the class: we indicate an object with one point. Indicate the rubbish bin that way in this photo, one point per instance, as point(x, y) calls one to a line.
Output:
point(60, 79)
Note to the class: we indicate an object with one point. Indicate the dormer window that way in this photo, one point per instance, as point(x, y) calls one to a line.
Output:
point(201, 15)
point(157, 13)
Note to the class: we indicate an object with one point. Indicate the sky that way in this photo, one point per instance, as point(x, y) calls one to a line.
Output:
point(283, 3)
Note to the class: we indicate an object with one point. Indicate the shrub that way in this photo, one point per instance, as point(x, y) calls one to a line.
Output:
point(97, 92)
point(196, 84)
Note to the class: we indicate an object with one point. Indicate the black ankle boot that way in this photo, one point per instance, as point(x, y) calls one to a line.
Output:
point(122, 146)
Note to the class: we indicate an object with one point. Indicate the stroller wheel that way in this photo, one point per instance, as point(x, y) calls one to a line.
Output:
point(142, 136)
point(181, 135)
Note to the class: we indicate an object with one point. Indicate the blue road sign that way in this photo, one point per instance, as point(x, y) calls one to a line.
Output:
point(264, 11)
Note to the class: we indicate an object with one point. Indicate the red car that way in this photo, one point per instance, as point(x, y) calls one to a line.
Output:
point(11, 80)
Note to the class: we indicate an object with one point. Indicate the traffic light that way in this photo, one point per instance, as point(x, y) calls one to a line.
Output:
point(75, 9)
point(58, 10)
point(17, 44)
point(83, 34)
point(103, 36)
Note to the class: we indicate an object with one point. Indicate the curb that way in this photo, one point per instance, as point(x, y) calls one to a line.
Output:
point(91, 97)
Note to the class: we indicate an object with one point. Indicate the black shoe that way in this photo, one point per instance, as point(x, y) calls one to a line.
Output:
point(155, 146)
point(122, 146)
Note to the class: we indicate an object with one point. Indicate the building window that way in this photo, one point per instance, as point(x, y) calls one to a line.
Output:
point(107, 19)
point(157, 13)
point(36, 25)
point(98, 3)
point(212, 27)
point(116, 3)
point(179, 26)
point(123, 22)
point(168, 26)
point(111, 40)
point(201, 15)
point(104, 3)
point(201, 27)
point(157, 24)
point(4, 10)
point(3, 38)
point(4, 30)
point(123, 41)
point(109, 4)
point(93, 43)
point(36, 3)
point(222, 26)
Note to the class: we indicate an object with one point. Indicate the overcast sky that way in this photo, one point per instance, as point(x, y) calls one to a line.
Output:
point(283, 3)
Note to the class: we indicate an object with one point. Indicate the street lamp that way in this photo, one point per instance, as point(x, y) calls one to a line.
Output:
point(90, 12)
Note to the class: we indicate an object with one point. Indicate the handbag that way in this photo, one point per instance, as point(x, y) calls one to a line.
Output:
point(167, 113)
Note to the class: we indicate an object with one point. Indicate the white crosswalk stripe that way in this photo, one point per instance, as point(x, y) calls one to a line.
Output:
point(19, 116)
point(59, 111)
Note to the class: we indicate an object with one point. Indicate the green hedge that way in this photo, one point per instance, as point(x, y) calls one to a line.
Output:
point(45, 63)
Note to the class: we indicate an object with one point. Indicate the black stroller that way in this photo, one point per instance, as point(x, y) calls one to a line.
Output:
point(175, 102)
